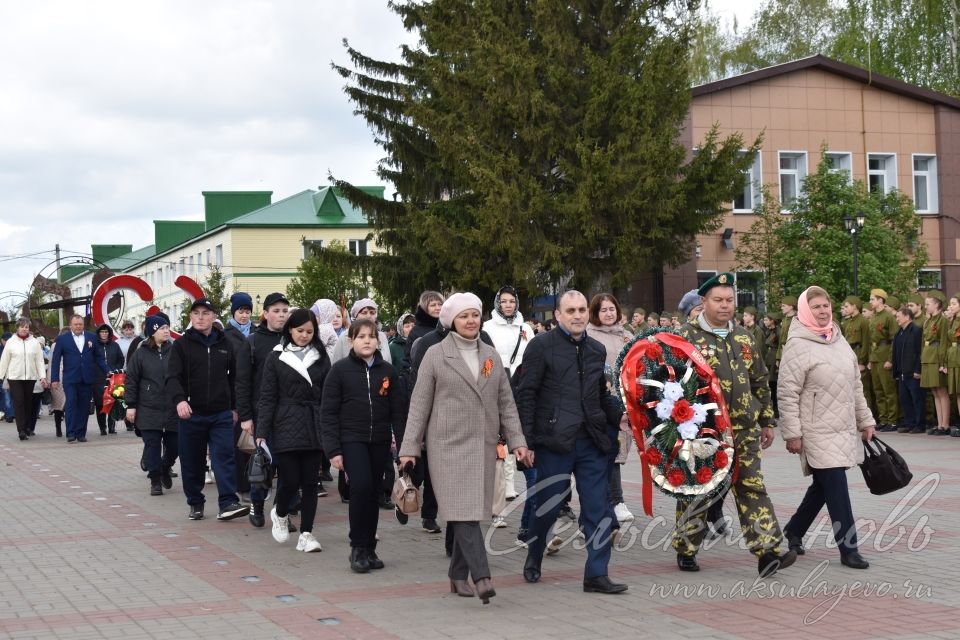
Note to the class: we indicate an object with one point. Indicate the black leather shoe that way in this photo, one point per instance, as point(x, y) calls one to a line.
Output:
point(196, 512)
point(687, 563)
point(770, 562)
point(602, 584)
point(72, 440)
point(374, 560)
point(531, 570)
point(795, 544)
point(854, 561)
point(358, 560)
point(155, 488)
point(81, 439)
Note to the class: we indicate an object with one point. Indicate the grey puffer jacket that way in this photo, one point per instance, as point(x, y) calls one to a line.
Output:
point(821, 399)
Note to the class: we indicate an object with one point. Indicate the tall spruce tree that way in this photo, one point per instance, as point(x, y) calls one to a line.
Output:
point(538, 143)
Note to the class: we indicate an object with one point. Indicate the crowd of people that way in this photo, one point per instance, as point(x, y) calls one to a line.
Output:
point(464, 406)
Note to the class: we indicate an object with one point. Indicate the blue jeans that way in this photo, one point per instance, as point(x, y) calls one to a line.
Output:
point(7, 407)
point(912, 402)
point(829, 487)
point(591, 468)
point(195, 434)
point(530, 499)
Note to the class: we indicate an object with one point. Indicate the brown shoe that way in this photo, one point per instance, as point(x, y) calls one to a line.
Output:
point(484, 589)
point(461, 588)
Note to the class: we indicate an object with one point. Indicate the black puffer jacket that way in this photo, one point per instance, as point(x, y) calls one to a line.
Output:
point(144, 389)
point(288, 412)
point(563, 393)
point(361, 403)
point(201, 371)
point(250, 366)
point(423, 324)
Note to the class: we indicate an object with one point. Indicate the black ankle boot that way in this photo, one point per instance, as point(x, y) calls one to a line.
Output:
point(59, 422)
point(358, 560)
point(155, 488)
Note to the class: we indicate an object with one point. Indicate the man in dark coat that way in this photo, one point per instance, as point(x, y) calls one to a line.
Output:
point(82, 366)
point(113, 356)
point(200, 384)
point(907, 344)
point(570, 421)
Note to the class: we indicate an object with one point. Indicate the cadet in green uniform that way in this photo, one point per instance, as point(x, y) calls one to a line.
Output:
point(771, 342)
point(732, 353)
point(883, 327)
point(953, 353)
point(788, 307)
point(750, 320)
point(933, 361)
point(915, 304)
point(856, 331)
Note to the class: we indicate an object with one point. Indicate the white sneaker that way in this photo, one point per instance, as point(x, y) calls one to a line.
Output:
point(308, 543)
point(623, 514)
point(499, 522)
point(280, 531)
point(554, 545)
point(209, 477)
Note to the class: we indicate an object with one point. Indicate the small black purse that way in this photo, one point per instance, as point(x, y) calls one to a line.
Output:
point(884, 470)
point(258, 469)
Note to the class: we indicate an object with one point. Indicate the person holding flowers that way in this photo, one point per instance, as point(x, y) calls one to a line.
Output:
point(733, 355)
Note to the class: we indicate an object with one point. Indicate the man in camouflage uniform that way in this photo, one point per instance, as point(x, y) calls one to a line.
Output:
point(883, 327)
point(735, 358)
point(856, 330)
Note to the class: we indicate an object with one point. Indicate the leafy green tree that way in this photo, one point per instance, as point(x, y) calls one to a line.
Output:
point(327, 274)
point(812, 245)
point(759, 249)
point(215, 288)
point(537, 143)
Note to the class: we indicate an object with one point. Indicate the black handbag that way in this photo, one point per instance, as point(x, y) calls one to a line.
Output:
point(884, 470)
point(258, 469)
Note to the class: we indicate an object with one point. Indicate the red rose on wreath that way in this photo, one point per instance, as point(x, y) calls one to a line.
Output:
point(653, 456)
point(654, 351)
point(678, 353)
point(676, 477)
point(721, 460)
point(682, 412)
point(704, 475)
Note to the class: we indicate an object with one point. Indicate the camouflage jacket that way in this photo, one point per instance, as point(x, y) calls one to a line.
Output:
point(739, 366)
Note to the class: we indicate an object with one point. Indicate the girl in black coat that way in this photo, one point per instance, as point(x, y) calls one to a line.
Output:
point(362, 403)
point(289, 418)
point(113, 356)
point(148, 406)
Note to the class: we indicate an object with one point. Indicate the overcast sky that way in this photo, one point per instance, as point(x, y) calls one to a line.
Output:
point(116, 113)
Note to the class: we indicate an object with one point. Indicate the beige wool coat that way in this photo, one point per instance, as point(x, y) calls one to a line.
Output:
point(821, 399)
point(461, 418)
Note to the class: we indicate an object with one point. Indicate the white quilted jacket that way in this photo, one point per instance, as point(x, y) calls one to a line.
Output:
point(821, 399)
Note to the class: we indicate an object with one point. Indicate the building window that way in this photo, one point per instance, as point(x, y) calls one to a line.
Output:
point(881, 172)
point(928, 279)
point(312, 248)
point(208, 258)
point(748, 199)
point(190, 266)
point(159, 277)
point(703, 276)
point(750, 291)
point(218, 255)
point(358, 247)
point(840, 162)
point(925, 184)
point(199, 262)
point(182, 271)
point(793, 172)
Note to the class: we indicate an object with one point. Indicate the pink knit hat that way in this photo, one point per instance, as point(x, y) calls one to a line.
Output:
point(457, 304)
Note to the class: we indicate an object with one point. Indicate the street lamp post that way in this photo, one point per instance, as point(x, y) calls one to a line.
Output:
point(854, 225)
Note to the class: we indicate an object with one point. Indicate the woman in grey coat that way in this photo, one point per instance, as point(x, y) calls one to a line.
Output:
point(463, 402)
point(148, 407)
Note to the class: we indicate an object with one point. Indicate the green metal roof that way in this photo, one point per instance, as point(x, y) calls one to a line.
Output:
point(126, 261)
point(325, 208)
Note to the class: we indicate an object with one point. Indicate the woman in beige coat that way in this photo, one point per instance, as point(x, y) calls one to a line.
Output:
point(462, 402)
point(823, 417)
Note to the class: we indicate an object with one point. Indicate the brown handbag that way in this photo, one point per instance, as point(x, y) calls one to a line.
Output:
point(406, 496)
point(245, 443)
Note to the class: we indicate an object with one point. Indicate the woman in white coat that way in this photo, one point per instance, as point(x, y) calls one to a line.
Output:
point(21, 365)
point(823, 417)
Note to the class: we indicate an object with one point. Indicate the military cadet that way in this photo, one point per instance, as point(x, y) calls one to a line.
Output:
point(788, 308)
point(730, 350)
point(771, 343)
point(953, 352)
point(750, 323)
point(883, 327)
point(915, 304)
point(933, 360)
point(856, 331)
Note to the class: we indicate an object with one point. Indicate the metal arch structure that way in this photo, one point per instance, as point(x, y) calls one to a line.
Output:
point(49, 273)
point(19, 297)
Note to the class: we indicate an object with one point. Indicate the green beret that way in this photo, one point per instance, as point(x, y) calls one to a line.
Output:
point(855, 301)
point(937, 295)
point(790, 300)
point(719, 280)
point(893, 302)
point(751, 310)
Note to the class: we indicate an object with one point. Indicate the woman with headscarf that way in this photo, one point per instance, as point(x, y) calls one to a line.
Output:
point(462, 403)
point(326, 312)
point(823, 417)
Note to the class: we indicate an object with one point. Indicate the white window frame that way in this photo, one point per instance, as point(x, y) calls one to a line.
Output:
point(308, 245)
point(800, 174)
point(208, 258)
point(360, 242)
point(754, 181)
point(889, 173)
point(937, 286)
point(933, 191)
point(846, 158)
point(218, 254)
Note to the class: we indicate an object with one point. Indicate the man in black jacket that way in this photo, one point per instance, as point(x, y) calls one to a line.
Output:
point(907, 344)
point(200, 383)
point(570, 421)
point(250, 361)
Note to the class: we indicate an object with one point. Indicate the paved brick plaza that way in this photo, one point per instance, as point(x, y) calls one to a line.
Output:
point(87, 553)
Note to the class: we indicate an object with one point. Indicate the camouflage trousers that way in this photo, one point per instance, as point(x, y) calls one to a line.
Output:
point(758, 522)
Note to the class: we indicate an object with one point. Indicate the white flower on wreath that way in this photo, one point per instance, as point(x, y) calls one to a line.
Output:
point(664, 409)
point(672, 391)
point(688, 430)
point(699, 414)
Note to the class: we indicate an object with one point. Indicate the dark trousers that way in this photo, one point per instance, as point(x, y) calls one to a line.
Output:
point(829, 487)
point(103, 420)
point(615, 486)
point(912, 402)
point(35, 414)
point(529, 498)
point(421, 476)
point(591, 468)
point(21, 395)
point(389, 476)
point(364, 464)
point(76, 408)
point(195, 434)
point(469, 555)
point(298, 470)
point(159, 450)
point(240, 460)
